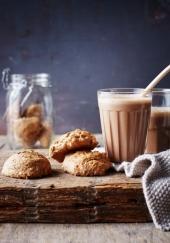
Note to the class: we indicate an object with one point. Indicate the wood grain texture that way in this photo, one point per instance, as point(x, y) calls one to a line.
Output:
point(63, 198)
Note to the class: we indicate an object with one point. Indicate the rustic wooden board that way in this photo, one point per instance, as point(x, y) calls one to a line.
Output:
point(63, 198)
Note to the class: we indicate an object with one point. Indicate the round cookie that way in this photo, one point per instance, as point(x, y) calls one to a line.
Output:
point(27, 130)
point(45, 136)
point(86, 163)
point(72, 141)
point(26, 164)
point(33, 110)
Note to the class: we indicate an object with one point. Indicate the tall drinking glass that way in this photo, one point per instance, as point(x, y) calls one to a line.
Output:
point(159, 128)
point(124, 115)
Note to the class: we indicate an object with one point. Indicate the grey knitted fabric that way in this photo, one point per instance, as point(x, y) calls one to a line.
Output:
point(155, 169)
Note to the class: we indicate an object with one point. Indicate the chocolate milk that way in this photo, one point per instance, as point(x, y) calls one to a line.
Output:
point(124, 121)
point(159, 130)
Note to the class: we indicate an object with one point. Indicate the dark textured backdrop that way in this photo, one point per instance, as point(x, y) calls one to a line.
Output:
point(85, 45)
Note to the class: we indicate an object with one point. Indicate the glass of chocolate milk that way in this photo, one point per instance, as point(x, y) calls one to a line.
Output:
point(158, 138)
point(124, 115)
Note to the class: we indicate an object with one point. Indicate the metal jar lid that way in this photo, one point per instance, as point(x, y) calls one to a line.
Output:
point(41, 79)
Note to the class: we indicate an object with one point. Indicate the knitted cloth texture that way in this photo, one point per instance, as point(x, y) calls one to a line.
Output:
point(155, 172)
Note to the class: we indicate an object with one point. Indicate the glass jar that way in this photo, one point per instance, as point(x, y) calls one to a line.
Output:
point(29, 111)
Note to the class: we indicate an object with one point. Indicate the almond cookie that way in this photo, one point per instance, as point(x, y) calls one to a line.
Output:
point(86, 163)
point(46, 134)
point(33, 110)
point(26, 164)
point(27, 130)
point(72, 141)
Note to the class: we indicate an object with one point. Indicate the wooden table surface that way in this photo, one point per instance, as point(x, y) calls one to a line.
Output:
point(82, 233)
point(94, 233)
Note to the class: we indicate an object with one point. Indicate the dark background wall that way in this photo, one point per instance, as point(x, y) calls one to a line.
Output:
point(85, 45)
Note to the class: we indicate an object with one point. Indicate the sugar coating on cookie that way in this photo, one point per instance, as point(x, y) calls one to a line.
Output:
point(26, 164)
point(86, 163)
point(72, 141)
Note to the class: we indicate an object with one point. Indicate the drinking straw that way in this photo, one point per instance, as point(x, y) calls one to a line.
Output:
point(156, 80)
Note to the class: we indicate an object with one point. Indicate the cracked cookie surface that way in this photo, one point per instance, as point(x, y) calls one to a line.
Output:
point(86, 163)
point(72, 141)
point(26, 164)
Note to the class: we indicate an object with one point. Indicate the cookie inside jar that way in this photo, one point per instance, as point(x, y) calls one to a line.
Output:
point(29, 112)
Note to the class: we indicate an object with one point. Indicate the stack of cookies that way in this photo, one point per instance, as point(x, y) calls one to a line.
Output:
point(74, 150)
point(31, 127)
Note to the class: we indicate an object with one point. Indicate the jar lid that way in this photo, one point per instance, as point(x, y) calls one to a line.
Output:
point(41, 79)
point(18, 77)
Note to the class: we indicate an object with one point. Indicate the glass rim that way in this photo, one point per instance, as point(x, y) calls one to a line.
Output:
point(120, 91)
point(132, 90)
point(161, 91)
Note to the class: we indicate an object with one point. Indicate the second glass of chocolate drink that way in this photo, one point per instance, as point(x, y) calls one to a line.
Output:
point(124, 115)
point(159, 128)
